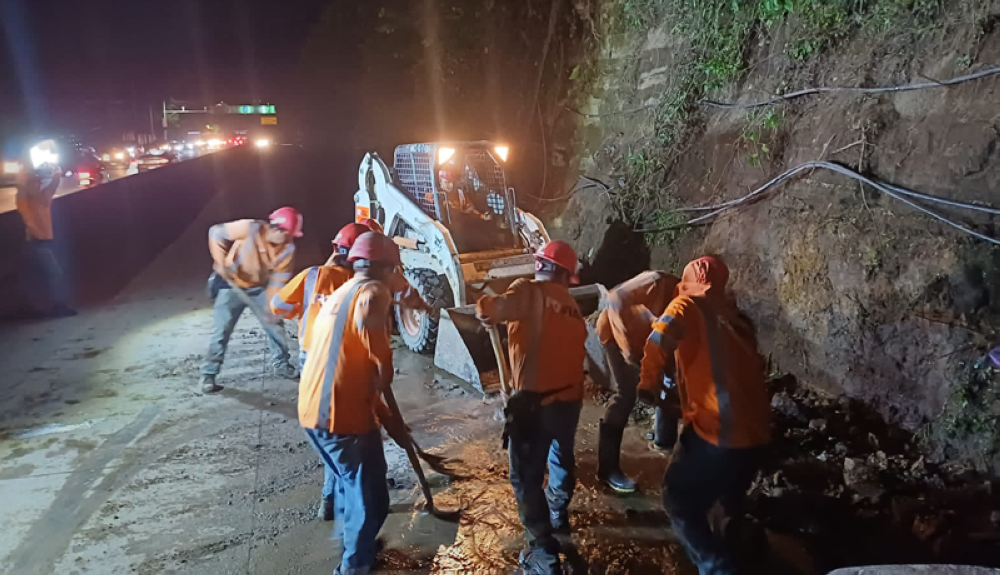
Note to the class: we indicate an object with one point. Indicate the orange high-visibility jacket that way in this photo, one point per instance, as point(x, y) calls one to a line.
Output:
point(350, 352)
point(242, 249)
point(303, 296)
point(720, 374)
point(547, 337)
point(631, 309)
point(34, 203)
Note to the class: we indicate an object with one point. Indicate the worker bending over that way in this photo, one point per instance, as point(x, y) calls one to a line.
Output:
point(349, 364)
point(42, 279)
point(623, 326)
point(703, 338)
point(253, 261)
point(547, 336)
point(302, 299)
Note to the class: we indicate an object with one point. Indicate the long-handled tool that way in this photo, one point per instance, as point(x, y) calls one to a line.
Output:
point(411, 454)
point(268, 321)
point(502, 365)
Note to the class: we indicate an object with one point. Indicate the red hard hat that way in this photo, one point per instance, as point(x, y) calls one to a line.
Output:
point(348, 234)
point(372, 225)
point(375, 247)
point(560, 253)
point(288, 219)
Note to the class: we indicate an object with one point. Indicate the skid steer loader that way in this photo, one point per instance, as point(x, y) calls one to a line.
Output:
point(454, 215)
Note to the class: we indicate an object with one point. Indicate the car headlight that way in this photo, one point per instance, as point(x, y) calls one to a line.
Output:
point(119, 155)
point(12, 167)
point(263, 143)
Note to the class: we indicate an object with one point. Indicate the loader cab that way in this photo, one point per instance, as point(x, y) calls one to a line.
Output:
point(462, 185)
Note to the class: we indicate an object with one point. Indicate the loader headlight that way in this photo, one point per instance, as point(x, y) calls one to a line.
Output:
point(445, 154)
point(12, 167)
point(502, 151)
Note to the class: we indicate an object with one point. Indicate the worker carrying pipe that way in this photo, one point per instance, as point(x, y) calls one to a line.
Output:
point(547, 337)
point(303, 297)
point(623, 326)
point(709, 347)
point(252, 262)
point(348, 366)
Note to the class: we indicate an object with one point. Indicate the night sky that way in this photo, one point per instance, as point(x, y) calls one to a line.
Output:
point(57, 53)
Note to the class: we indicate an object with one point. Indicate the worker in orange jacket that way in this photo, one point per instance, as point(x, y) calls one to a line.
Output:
point(547, 335)
point(348, 365)
point(623, 326)
point(303, 297)
point(42, 278)
point(256, 257)
point(705, 341)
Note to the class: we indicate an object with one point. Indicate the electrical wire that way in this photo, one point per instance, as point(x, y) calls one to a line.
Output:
point(850, 89)
point(896, 192)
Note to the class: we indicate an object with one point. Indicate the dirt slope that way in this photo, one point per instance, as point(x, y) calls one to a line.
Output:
point(852, 291)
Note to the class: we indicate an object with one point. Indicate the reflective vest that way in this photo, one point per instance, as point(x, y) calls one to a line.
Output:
point(720, 374)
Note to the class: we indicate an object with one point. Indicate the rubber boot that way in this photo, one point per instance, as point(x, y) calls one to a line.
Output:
point(609, 450)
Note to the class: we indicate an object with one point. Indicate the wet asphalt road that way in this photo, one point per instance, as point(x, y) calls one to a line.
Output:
point(111, 462)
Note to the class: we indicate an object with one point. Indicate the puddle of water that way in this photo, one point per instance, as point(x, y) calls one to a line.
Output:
point(53, 428)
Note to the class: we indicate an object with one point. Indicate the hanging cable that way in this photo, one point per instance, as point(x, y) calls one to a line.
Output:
point(896, 192)
point(850, 89)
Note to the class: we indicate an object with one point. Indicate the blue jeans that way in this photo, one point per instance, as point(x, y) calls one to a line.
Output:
point(42, 277)
point(701, 474)
point(228, 308)
point(553, 444)
point(362, 502)
point(626, 378)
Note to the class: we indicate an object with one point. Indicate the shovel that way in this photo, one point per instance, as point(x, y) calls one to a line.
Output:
point(411, 454)
point(267, 319)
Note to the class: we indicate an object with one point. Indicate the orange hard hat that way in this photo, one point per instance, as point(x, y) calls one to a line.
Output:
point(347, 235)
point(558, 253)
point(288, 219)
point(375, 247)
point(372, 225)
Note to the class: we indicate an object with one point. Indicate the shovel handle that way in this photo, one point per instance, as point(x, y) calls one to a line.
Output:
point(411, 452)
point(501, 356)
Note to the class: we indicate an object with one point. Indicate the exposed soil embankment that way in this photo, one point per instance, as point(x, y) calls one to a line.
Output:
point(854, 292)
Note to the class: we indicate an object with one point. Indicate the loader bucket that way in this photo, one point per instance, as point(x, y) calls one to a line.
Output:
point(463, 345)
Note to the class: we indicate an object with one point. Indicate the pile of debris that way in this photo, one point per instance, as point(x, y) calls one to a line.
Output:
point(863, 492)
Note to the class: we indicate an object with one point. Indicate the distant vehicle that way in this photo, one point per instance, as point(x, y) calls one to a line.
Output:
point(117, 156)
point(147, 162)
point(88, 169)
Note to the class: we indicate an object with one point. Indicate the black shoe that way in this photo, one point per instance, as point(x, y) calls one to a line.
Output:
point(325, 509)
point(560, 522)
point(609, 449)
point(539, 563)
point(208, 385)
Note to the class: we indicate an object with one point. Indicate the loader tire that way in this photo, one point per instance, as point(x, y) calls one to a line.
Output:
point(419, 329)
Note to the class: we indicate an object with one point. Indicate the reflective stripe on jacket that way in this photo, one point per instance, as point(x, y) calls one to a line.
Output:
point(547, 337)
point(631, 309)
point(34, 203)
point(303, 297)
point(720, 374)
point(241, 248)
point(349, 351)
